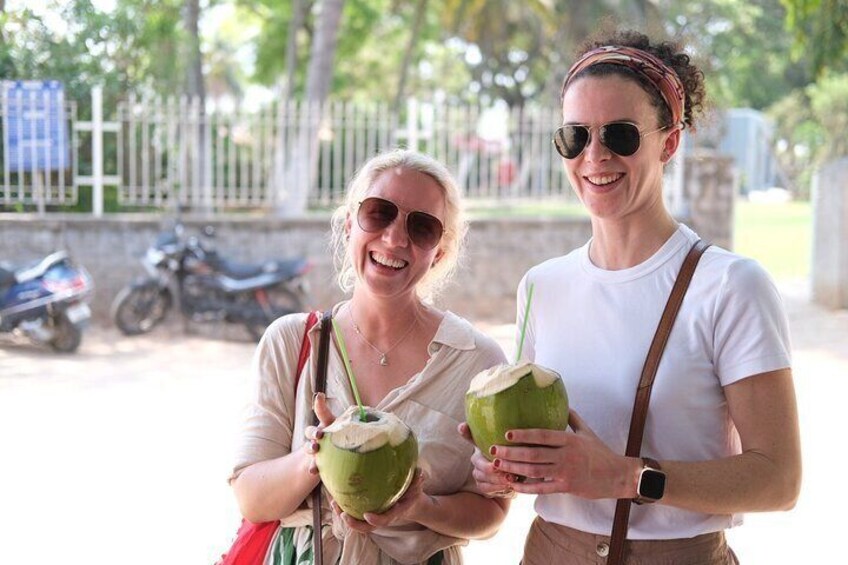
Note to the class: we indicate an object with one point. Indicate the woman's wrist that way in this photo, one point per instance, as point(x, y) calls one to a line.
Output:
point(630, 483)
point(422, 506)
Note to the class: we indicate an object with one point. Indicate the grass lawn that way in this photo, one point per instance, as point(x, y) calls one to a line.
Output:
point(778, 235)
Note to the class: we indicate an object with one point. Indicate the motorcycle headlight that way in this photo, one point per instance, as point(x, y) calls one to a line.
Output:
point(154, 256)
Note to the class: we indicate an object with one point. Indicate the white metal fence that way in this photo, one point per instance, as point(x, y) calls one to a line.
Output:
point(157, 152)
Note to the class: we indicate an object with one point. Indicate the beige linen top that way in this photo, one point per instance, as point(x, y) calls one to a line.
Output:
point(431, 403)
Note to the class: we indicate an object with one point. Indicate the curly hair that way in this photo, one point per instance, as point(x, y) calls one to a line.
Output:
point(670, 53)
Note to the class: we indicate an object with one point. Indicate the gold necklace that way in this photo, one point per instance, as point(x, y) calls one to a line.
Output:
point(384, 359)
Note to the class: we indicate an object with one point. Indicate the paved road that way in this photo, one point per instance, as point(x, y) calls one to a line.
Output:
point(119, 454)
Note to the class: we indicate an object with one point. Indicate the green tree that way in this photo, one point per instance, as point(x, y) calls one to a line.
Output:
point(820, 30)
point(829, 101)
point(742, 46)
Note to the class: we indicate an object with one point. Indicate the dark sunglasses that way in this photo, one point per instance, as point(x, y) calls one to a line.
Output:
point(622, 138)
point(376, 214)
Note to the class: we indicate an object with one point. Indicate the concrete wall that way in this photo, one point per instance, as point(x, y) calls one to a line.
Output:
point(499, 252)
point(830, 235)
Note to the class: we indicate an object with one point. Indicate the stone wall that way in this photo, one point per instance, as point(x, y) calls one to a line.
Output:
point(709, 187)
point(499, 252)
point(830, 235)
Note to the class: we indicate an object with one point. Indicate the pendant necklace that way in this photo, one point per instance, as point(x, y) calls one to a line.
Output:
point(384, 359)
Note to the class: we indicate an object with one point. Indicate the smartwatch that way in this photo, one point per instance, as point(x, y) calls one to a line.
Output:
point(651, 485)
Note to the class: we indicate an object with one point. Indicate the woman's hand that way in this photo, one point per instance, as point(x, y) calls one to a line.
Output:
point(314, 433)
point(578, 463)
point(399, 512)
point(492, 482)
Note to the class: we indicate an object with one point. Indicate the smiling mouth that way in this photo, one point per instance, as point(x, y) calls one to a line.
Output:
point(603, 180)
point(384, 261)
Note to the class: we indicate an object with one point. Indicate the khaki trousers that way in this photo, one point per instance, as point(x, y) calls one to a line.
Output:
point(549, 544)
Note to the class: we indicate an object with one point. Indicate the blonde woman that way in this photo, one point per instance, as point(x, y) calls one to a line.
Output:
point(396, 239)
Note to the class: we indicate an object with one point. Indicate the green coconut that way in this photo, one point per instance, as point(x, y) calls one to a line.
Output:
point(367, 466)
point(513, 397)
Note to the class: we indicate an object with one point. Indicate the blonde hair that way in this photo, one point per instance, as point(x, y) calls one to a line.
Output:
point(455, 223)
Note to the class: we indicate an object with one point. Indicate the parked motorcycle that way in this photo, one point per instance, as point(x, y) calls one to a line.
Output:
point(46, 301)
point(187, 272)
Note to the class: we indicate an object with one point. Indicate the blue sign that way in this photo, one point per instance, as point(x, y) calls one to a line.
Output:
point(35, 133)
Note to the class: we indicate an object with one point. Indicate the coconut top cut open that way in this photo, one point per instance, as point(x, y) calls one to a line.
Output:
point(349, 432)
point(501, 377)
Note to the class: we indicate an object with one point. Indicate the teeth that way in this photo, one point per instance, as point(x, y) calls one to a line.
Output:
point(383, 260)
point(604, 179)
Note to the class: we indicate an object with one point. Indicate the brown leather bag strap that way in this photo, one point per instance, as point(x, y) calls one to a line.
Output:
point(643, 393)
point(320, 386)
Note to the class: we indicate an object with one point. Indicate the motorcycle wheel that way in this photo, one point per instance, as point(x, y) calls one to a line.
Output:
point(66, 336)
point(283, 301)
point(138, 310)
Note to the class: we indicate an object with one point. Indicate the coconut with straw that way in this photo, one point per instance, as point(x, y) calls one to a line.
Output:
point(367, 458)
point(512, 397)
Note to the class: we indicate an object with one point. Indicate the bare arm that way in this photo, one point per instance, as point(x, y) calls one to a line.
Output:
point(273, 489)
point(464, 515)
point(765, 476)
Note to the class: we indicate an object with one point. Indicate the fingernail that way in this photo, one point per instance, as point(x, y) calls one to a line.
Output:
point(496, 463)
point(493, 450)
point(509, 436)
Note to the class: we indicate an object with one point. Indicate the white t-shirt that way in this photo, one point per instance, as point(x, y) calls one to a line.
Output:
point(594, 328)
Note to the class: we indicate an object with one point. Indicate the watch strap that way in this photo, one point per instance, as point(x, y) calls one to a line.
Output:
point(651, 463)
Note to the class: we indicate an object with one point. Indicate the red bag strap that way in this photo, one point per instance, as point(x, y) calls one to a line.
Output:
point(305, 347)
point(253, 540)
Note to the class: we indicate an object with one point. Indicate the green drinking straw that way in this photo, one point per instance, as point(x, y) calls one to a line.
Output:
point(351, 378)
point(524, 325)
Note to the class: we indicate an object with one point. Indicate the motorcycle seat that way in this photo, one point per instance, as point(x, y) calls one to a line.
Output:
point(287, 268)
point(240, 271)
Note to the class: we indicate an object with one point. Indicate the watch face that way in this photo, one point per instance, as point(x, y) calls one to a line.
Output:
point(652, 484)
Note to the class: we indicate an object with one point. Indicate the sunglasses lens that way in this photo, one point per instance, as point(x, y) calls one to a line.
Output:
point(571, 140)
point(376, 214)
point(621, 138)
point(425, 230)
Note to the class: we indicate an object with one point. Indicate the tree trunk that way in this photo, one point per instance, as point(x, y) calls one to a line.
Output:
point(301, 169)
point(196, 92)
point(194, 70)
point(320, 72)
point(418, 21)
point(296, 22)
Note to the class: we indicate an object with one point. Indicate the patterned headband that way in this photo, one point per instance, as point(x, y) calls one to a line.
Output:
point(661, 75)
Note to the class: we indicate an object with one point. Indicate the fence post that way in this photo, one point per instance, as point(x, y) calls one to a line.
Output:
point(412, 124)
point(830, 228)
point(97, 151)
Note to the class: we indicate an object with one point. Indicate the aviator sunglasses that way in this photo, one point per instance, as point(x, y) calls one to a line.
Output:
point(622, 138)
point(376, 214)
